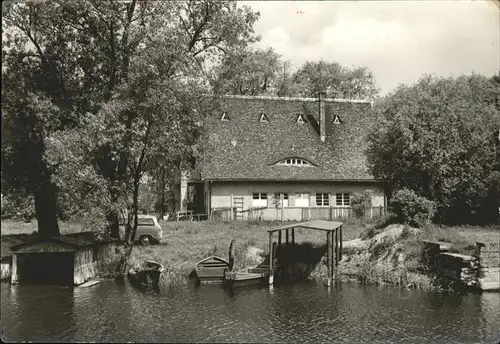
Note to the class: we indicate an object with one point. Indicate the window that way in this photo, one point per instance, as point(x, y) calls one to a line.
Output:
point(294, 162)
point(278, 196)
point(259, 199)
point(301, 199)
point(323, 199)
point(342, 199)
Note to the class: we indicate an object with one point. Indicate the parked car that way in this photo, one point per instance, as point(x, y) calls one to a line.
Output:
point(148, 230)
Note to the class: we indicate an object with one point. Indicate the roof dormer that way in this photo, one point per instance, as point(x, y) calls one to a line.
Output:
point(300, 119)
point(263, 118)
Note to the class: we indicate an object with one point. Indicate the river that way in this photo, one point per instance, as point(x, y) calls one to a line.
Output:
point(305, 312)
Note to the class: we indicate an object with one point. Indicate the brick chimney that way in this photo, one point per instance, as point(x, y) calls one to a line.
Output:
point(322, 131)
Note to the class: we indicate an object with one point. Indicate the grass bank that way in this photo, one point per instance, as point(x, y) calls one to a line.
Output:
point(370, 255)
point(394, 254)
point(187, 242)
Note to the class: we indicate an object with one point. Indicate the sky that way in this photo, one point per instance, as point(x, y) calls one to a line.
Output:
point(398, 41)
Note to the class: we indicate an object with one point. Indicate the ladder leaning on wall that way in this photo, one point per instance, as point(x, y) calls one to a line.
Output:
point(238, 207)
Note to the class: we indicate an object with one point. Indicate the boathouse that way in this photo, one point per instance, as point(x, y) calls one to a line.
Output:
point(280, 158)
point(67, 260)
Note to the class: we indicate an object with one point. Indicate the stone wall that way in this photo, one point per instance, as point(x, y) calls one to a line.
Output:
point(480, 271)
point(489, 260)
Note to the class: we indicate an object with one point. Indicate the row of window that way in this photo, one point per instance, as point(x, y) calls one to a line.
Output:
point(301, 199)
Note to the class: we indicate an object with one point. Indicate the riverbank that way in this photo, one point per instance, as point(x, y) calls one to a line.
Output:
point(394, 255)
point(370, 255)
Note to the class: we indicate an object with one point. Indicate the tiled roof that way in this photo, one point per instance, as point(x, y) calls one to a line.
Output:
point(243, 148)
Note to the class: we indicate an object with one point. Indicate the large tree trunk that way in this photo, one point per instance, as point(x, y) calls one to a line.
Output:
point(46, 210)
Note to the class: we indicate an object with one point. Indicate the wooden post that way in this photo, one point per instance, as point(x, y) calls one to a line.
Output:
point(231, 217)
point(271, 259)
point(337, 246)
point(282, 201)
point(287, 236)
point(328, 259)
point(293, 235)
point(332, 257)
point(14, 278)
point(340, 229)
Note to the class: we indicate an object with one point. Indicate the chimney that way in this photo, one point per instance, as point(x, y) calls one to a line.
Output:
point(322, 132)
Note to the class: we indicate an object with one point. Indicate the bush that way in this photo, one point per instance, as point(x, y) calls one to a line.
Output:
point(409, 208)
point(360, 201)
point(385, 220)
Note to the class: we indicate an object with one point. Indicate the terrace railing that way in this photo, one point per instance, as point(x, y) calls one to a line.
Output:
point(296, 213)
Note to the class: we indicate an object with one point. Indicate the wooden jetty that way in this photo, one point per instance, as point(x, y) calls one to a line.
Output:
point(211, 269)
point(333, 231)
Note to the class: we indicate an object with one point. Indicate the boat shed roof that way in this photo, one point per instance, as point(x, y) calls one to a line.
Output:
point(71, 242)
point(321, 225)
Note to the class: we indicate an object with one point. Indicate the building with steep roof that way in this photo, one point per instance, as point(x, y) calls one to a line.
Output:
point(283, 158)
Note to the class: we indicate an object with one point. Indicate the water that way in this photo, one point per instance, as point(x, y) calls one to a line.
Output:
point(306, 312)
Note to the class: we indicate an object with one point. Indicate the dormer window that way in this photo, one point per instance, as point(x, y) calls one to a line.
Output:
point(294, 162)
point(263, 118)
point(224, 117)
point(300, 119)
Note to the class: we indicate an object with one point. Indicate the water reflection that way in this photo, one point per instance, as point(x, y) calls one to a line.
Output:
point(36, 315)
point(306, 312)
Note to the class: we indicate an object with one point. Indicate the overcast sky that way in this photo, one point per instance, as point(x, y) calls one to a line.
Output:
point(398, 40)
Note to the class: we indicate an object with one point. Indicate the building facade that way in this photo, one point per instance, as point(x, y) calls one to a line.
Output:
point(276, 158)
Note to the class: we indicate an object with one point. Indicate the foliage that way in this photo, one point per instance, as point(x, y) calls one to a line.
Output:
point(92, 86)
point(250, 72)
point(263, 72)
point(409, 208)
point(336, 80)
point(360, 201)
point(436, 137)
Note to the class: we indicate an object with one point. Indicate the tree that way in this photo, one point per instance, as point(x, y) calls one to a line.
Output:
point(337, 81)
point(249, 72)
point(436, 138)
point(68, 64)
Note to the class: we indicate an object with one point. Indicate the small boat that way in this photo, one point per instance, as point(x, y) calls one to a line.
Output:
point(211, 269)
point(147, 275)
point(252, 277)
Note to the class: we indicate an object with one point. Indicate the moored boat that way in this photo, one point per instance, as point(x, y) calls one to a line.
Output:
point(148, 275)
point(252, 277)
point(211, 269)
